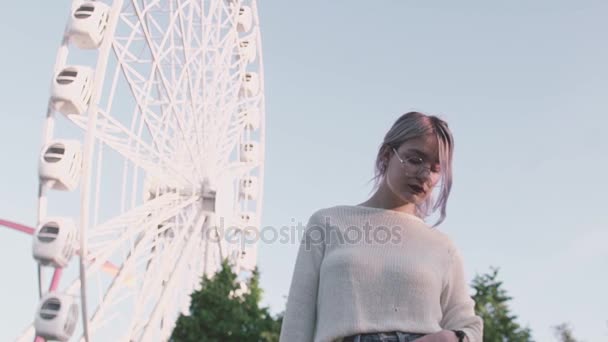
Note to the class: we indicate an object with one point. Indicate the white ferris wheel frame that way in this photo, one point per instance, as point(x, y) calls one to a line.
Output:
point(184, 161)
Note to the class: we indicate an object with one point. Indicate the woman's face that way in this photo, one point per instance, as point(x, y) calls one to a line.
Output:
point(413, 180)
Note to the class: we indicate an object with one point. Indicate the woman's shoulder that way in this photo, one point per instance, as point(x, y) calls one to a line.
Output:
point(324, 214)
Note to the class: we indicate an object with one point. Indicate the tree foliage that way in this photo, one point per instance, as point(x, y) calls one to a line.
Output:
point(563, 333)
point(491, 303)
point(222, 311)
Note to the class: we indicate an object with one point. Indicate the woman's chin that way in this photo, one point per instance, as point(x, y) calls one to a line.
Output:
point(412, 196)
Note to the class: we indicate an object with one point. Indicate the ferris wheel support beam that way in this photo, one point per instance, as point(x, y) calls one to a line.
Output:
point(18, 227)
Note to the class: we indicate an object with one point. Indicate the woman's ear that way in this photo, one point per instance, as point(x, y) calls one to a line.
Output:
point(386, 156)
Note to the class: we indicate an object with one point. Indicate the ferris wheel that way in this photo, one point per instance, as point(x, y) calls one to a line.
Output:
point(152, 164)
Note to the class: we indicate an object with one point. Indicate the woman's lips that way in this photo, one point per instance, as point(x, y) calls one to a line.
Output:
point(416, 189)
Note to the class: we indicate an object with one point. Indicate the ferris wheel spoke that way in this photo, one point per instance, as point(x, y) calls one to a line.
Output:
point(238, 169)
point(230, 15)
point(233, 136)
point(128, 280)
point(230, 130)
point(143, 17)
point(189, 70)
point(214, 71)
point(158, 277)
point(160, 258)
point(159, 128)
point(176, 273)
point(122, 140)
point(107, 237)
point(231, 84)
point(141, 88)
point(157, 80)
point(125, 280)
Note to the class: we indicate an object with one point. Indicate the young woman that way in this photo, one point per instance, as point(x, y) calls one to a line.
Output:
point(377, 271)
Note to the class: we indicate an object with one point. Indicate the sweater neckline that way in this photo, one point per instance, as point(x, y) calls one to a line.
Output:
point(383, 210)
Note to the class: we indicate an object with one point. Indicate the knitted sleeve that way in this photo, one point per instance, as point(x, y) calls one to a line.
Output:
point(299, 319)
point(456, 304)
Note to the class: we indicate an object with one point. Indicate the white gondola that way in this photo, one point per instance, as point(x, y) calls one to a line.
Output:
point(88, 24)
point(248, 222)
point(61, 164)
point(248, 49)
point(249, 188)
point(72, 89)
point(54, 242)
point(251, 84)
point(251, 118)
point(247, 218)
point(250, 152)
point(245, 19)
point(56, 316)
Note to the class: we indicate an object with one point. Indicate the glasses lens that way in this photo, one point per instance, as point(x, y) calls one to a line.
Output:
point(416, 166)
point(415, 161)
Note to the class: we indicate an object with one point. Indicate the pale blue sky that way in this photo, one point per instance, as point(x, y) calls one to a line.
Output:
point(522, 84)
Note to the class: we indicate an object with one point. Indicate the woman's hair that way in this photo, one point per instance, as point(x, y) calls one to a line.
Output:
point(410, 126)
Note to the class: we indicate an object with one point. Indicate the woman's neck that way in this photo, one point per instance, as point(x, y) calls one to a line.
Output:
point(384, 198)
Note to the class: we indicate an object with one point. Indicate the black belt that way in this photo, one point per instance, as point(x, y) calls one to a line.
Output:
point(353, 338)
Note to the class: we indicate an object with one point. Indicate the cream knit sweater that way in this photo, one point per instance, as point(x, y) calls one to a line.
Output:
point(362, 269)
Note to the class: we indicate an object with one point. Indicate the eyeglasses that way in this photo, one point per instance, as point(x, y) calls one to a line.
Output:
point(415, 163)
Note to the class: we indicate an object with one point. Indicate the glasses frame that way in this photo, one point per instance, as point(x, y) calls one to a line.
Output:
point(419, 167)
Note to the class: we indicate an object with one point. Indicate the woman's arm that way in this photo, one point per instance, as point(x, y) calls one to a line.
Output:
point(300, 314)
point(457, 305)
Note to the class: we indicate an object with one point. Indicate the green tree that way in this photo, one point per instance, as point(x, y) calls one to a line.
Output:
point(222, 311)
point(563, 333)
point(491, 303)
